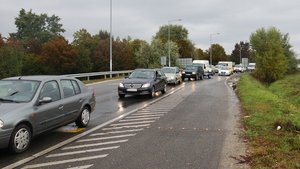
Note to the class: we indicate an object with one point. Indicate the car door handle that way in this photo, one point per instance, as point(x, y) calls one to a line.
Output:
point(60, 107)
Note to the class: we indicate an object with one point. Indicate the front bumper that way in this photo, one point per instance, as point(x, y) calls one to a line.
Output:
point(5, 137)
point(138, 91)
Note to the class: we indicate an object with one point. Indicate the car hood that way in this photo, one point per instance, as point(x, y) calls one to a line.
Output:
point(170, 74)
point(137, 80)
point(10, 107)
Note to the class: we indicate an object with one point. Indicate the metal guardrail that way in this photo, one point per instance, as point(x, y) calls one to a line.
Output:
point(104, 74)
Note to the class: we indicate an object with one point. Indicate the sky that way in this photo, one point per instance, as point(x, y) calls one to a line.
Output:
point(234, 20)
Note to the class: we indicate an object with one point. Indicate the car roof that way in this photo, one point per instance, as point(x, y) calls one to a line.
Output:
point(38, 77)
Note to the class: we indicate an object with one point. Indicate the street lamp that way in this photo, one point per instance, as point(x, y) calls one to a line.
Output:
point(210, 41)
point(110, 40)
point(169, 47)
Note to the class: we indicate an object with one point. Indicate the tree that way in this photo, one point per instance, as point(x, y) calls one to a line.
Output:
point(218, 54)
point(243, 49)
point(143, 55)
point(271, 63)
point(289, 54)
point(174, 53)
point(40, 27)
point(83, 44)
point(123, 55)
point(10, 61)
point(177, 32)
point(58, 57)
point(201, 55)
point(179, 35)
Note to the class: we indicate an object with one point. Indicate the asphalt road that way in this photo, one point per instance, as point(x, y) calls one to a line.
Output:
point(183, 130)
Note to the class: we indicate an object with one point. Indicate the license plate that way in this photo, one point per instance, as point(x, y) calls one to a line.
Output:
point(131, 90)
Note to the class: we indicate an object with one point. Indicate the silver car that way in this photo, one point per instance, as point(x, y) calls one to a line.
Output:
point(31, 105)
point(173, 75)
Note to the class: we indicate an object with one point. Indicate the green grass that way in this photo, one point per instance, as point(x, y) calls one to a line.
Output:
point(265, 109)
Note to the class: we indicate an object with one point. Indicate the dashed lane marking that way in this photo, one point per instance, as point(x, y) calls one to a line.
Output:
point(133, 123)
point(143, 116)
point(82, 151)
point(64, 161)
point(105, 138)
point(130, 120)
point(82, 167)
point(95, 144)
point(125, 127)
point(115, 132)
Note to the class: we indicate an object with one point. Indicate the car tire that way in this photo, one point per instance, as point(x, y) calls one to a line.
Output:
point(201, 77)
point(121, 96)
point(152, 94)
point(164, 90)
point(84, 118)
point(20, 139)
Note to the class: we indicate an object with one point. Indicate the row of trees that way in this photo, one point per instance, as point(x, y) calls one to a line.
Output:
point(38, 47)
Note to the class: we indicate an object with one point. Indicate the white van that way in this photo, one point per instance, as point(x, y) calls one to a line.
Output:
point(207, 70)
point(227, 64)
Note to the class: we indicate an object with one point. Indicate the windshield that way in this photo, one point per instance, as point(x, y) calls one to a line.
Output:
point(168, 70)
point(143, 74)
point(17, 90)
point(191, 68)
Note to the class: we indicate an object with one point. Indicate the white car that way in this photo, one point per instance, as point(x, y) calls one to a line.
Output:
point(239, 68)
point(224, 71)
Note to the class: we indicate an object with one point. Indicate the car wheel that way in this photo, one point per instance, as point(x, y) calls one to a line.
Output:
point(164, 90)
point(201, 77)
point(20, 139)
point(152, 94)
point(122, 95)
point(84, 118)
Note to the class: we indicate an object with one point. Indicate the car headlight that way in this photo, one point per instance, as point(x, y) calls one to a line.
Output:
point(146, 85)
point(183, 72)
point(194, 73)
point(1, 124)
point(172, 78)
point(121, 85)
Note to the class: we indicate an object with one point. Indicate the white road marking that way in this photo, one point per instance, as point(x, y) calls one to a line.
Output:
point(138, 114)
point(144, 116)
point(105, 138)
point(135, 126)
point(64, 161)
point(129, 120)
point(95, 144)
point(116, 132)
point(133, 123)
point(82, 151)
point(82, 167)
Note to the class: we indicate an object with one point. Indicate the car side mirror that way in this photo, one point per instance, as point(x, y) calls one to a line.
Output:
point(45, 100)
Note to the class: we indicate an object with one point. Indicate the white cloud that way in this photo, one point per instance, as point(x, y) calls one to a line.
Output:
point(234, 19)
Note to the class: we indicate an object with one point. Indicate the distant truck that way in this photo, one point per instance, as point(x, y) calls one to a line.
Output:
point(251, 67)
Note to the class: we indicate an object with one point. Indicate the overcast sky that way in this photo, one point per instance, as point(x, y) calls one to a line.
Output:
point(235, 20)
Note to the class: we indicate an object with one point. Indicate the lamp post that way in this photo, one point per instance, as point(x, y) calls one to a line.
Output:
point(169, 46)
point(241, 47)
point(210, 41)
point(110, 40)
